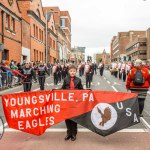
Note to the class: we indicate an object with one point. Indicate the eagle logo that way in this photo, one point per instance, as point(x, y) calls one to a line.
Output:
point(1, 128)
point(10, 2)
point(104, 116)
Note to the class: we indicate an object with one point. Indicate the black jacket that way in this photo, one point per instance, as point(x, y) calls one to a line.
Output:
point(77, 83)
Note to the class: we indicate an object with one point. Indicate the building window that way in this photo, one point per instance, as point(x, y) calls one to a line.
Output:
point(36, 32)
point(34, 29)
point(38, 13)
point(42, 57)
point(62, 22)
point(13, 24)
point(54, 44)
point(50, 42)
point(8, 21)
point(40, 34)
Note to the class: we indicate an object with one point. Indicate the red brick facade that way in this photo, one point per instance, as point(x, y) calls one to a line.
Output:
point(10, 31)
point(23, 31)
point(121, 41)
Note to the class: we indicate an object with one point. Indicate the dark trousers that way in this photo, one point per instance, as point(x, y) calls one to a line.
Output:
point(27, 86)
point(55, 78)
point(71, 127)
point(120, 74)
point(101, 71)
point(63, 74)
point(88, 80)
point(41, 82)
point(80, 72)
point(124, 76)
point(95, 70)
point(141, 104)
point(59, 76)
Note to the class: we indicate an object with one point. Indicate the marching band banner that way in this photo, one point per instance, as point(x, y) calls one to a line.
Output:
point(102, 112)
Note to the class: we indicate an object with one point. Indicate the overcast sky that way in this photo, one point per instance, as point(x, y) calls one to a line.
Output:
point(94, 22)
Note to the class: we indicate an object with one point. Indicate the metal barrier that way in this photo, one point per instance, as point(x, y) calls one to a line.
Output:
point(4, 79)
point(8, 80)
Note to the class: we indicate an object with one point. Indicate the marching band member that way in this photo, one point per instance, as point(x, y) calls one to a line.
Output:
point(55, 73)
point(123, 70)
point(119, 69)
point(42, 70)
point(28, 72)
point(88, 74)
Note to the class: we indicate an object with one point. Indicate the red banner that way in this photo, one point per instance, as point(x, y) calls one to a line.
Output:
point(34, 112)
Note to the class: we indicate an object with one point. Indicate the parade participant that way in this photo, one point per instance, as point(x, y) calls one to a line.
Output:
point(92, 71)
point(64, 71)
point(138, 81)
point(28, 72)
point(72, 82)
point(62, 66)
point(101, 68)
point(95, 68)
point(88, 74)
point(55, 73)
point(123, 70)
point(42, 70)
point(119, 69)
point(59, 72)
point(80, 69)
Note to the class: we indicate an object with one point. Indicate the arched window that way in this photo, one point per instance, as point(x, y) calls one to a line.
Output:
point(38, 13)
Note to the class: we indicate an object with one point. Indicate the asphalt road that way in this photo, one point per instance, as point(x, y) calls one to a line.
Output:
point(106, 83)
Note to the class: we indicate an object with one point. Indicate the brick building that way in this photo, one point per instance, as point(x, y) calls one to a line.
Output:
point(33, 33)
point(10, 30)
point(63, 27)
point(52, 37)
point(32, 12)
point(65, 23)
point(103, 57)
point(78, 54)
point(137, 49)
point(119, 43)
point(148, 44)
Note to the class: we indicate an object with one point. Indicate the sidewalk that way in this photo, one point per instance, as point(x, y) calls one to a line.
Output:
point(85, 141)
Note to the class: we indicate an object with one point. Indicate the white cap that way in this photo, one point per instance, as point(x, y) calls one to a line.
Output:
point(138, 62)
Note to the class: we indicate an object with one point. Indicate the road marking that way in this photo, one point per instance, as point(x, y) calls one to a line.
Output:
point(80, 130)
point(114, 89)
point(108, 82)
point(145, 123)
point(18, 92)
point(115, 83)
point(36, 89)
point(98, 83)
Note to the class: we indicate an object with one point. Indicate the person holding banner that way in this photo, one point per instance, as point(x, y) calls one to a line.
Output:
point(71, 82)
point(138, 81)
point(28, 73)
point(42, 70)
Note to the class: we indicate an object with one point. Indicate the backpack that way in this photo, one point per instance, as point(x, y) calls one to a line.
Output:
point(138, 78)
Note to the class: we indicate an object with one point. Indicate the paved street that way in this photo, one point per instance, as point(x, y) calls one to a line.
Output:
point(133, 138)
